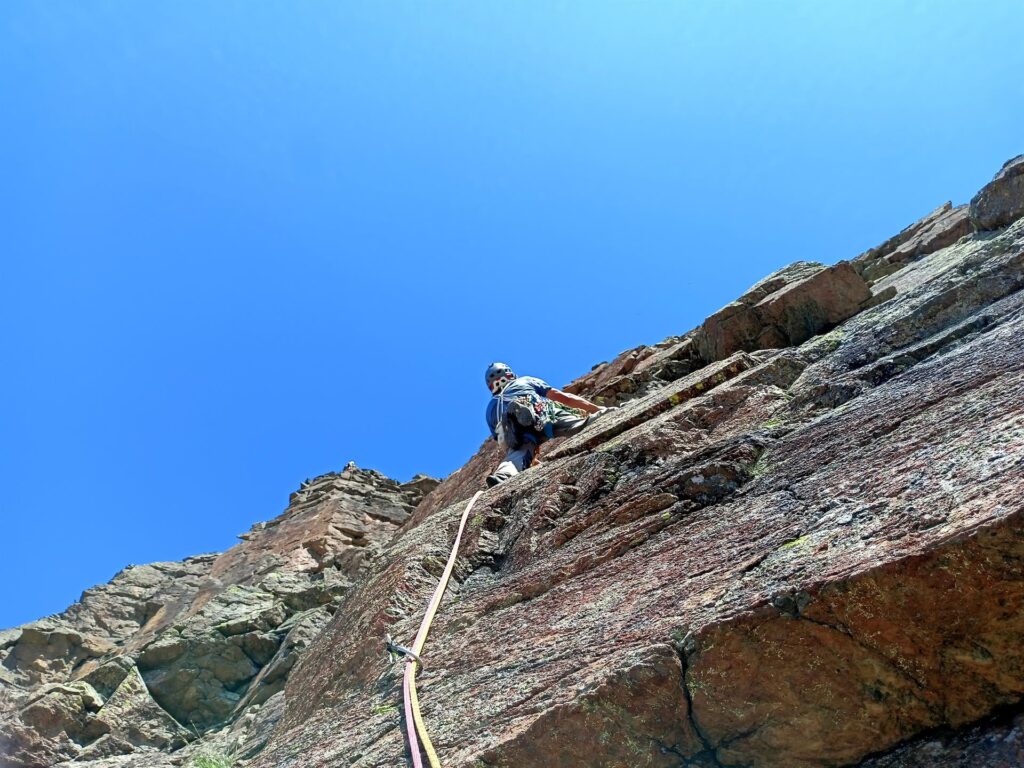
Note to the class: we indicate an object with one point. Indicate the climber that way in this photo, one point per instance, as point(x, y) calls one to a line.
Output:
point(524, 412)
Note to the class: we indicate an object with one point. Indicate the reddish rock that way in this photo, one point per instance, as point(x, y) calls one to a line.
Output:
point(632, 716)
point(644, 409)
point(214, 637)
point(997, 742)
point(940, 228)
point(784, 309)
point(638, 371)
point(790, 553)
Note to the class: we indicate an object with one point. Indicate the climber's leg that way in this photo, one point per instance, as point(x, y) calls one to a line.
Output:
point(515, 462)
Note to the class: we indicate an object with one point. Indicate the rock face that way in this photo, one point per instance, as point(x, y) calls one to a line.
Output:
point(784, 309)
point(940, 228)
point(168, 652)
point(798, 542)
point(1001, 202)
point(798, 548)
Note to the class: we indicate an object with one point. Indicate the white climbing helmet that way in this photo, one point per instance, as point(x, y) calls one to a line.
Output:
point(498, 376)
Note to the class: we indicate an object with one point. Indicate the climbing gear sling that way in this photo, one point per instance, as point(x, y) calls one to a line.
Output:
point(413, 717)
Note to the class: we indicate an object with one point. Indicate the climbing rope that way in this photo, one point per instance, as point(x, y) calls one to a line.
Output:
point(413, 717)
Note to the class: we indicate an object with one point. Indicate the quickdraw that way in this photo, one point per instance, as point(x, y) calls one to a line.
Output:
point(413, 718)
point(396, 651)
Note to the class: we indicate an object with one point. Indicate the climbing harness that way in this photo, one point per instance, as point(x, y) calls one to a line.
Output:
point(413, 718)
point(530, 414)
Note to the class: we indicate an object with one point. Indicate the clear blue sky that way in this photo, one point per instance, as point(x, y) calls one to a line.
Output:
point(244, 243)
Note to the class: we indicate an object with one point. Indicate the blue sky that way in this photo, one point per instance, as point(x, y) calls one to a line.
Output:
point(244, 243)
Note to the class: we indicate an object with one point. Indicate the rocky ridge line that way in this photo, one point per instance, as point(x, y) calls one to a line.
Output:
point(165, 655)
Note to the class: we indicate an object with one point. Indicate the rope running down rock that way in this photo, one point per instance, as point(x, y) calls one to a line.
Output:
point(413, 717)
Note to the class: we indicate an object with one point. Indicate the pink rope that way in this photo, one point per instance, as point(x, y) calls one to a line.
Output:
point(410, 723)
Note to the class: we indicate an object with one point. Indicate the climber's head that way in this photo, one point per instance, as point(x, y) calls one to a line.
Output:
point(498, 376)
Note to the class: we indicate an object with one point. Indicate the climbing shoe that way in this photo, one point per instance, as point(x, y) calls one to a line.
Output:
point(492, 480)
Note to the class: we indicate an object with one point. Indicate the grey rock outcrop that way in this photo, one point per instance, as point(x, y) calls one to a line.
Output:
point(939, 229)
point(171, 654)
point(1001, 201)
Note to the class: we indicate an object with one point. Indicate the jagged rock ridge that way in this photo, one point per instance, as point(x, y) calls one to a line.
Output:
point(797, 543)
point(168, 652)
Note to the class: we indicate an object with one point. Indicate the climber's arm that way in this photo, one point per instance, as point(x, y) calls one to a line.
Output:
point(572, 401)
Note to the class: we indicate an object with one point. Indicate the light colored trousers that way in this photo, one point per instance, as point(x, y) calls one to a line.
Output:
point(519, 459)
